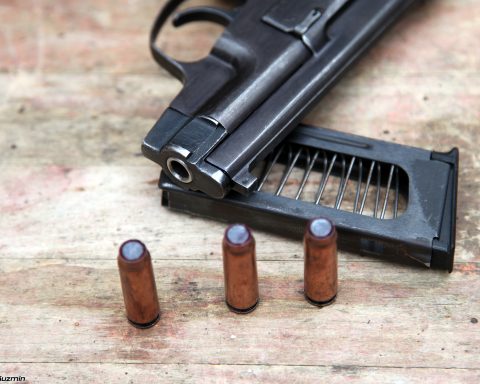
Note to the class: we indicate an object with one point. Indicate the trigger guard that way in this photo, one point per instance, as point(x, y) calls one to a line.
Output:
point(212, 14)
point(171, 65)
point(177, 68)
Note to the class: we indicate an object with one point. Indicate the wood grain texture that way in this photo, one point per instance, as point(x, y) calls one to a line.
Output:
point(224, 374)
point(78, 91)
point(391, 317)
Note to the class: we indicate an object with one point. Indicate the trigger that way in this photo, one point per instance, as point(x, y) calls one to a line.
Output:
point(212, 14)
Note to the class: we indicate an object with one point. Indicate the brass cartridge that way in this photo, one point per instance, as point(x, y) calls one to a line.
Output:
point(138, 284)
point(320, 270)
point(240, 269)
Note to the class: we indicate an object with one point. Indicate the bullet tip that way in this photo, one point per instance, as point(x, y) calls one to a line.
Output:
point(321, 227)
point(237, 234)
point(132, 250)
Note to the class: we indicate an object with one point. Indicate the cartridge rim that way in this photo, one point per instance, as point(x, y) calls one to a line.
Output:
point(145, 325)
point(241, 311)
point(320, 303)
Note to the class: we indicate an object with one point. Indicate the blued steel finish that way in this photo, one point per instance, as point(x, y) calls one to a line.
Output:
point(240, 269)
point(274, 61)
point(425, 231)
point(138, 284)
point(321, 265)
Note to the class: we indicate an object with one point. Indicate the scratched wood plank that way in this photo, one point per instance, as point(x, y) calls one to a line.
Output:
point(78, 91)
point(85, 213)
point(93, 113)
point(98, 35)
point(225, 374)
point(431, 99)
point(93, 35)
point(72, 311)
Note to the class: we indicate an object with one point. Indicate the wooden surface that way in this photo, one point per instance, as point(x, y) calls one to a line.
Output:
point(78, 91)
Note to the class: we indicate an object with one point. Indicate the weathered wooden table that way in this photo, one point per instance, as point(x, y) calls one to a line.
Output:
point(78, 91)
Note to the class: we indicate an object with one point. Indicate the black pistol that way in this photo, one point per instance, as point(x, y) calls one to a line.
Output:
point(273, 62)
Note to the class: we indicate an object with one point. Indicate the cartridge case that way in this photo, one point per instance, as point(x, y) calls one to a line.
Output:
point(321, 265)
point(240, 269)
point(138, 284)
